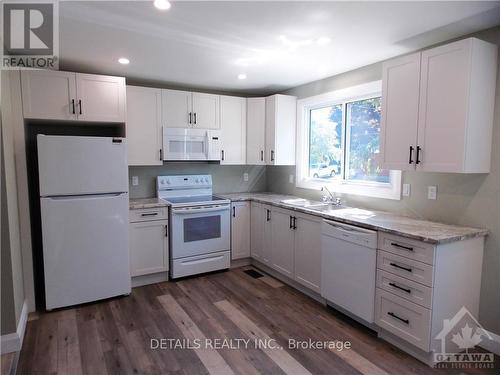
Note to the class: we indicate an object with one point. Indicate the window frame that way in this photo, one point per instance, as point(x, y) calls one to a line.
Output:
point(391, 190)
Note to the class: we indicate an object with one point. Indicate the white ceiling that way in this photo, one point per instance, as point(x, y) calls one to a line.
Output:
point(207, 44)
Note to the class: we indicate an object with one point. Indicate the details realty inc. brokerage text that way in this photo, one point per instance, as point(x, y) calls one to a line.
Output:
point(244, 343)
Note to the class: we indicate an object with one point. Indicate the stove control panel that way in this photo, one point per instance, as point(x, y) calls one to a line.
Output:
point(184, 182)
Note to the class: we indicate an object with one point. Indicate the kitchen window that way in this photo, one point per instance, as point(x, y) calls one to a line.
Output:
point(339, 140)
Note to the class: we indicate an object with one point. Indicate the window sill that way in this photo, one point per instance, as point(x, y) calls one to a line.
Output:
point(367, 189)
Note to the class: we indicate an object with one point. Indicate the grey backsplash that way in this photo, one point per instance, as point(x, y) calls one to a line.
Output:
point(226, 178)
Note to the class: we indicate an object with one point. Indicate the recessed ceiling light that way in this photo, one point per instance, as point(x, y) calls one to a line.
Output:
point(162, 4)
point(123, 60)
point(323, 40)
point(242, 76)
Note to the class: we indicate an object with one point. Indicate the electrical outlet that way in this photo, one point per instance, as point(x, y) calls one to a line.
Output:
point(245, 177)
point(290, 179)
point(406, 190)
point(135, 180)
point(432, 192)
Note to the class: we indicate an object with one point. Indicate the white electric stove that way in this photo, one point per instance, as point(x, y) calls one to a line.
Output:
point(199, 225)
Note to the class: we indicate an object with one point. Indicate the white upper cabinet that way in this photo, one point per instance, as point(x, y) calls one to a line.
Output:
point(457, 95)
point(233, 130)
point(256, 131)
point(205, 111)
point(100, 98)
point(400, 96)
point(38, 104)
point(280, 129)
point(56, 95)
point(456, 91)
point(143, 126)
point(176, 109)
point(184, 109)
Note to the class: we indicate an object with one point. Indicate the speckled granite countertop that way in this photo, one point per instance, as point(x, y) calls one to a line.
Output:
point(422, 230)
point(141, 203)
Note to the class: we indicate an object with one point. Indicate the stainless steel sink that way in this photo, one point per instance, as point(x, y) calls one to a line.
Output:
point(311, 205)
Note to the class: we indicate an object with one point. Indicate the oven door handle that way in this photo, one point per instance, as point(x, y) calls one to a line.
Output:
point(184, 211)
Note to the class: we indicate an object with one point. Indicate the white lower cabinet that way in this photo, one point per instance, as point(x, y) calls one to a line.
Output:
point(148, 233)
point(240, 233)
point(307, 257)
point(260, 232)
point(283, 241)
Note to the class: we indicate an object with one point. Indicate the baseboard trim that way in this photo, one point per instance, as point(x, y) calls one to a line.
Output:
point(13, 342)
point(492, 345)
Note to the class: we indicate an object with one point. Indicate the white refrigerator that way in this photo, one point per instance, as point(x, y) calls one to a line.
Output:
point(84, 210)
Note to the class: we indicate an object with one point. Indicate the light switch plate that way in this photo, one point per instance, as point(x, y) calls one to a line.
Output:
point(290, 179)
point(406, 190)
point(432, 192)
point(135, 180)
point(245, 177)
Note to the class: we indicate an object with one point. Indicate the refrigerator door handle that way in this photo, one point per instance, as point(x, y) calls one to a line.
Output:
point(84, 196)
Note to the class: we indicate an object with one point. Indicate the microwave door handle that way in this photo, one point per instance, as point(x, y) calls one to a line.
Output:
point(199, 210)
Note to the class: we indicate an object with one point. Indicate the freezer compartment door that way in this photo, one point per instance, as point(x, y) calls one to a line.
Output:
point(85, 248)
point(69, 165)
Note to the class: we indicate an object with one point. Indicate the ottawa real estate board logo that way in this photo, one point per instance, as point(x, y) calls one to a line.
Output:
point(457, 341)
point(30, 35)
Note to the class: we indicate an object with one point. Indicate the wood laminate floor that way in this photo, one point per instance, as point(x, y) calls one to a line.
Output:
point(114, 336)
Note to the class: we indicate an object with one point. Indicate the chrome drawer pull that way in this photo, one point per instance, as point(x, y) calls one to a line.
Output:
point(401, 246)
point(400, 267)
point(400, 287)
point(406, 321)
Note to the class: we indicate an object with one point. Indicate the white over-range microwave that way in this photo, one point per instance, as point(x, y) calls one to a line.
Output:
point(191, 144)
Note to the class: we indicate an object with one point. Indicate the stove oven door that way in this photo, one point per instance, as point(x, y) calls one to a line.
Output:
point(200, 230)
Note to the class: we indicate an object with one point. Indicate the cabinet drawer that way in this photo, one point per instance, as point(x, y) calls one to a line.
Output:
point(407, 289)
point(407, 268)
point(406, 247)
point(148, 214)
point(404, 319)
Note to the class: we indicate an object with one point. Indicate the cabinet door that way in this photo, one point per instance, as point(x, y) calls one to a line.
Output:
point(48, 94)
point(240, 230)
point(270, 130)
point(176, 109)
point(100, 98)
point(233, 130)
point(148, 247)
point(443, 107)
point(308, 251)
point(280, 129)
point(257, 218)
point(206, 111)
point(256, 131)
point(144, 136)
point(400, 96)
point(283, 242)
point(267, 243)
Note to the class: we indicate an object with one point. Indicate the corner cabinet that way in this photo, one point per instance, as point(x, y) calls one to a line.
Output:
point(240, 234)
point(437, 108)
point(143, 127)
point(256, 131)
point(73, 96)
point(281, 111)
point(233, 124)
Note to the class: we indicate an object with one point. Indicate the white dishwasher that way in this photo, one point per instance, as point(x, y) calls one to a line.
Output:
point(348, 264)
